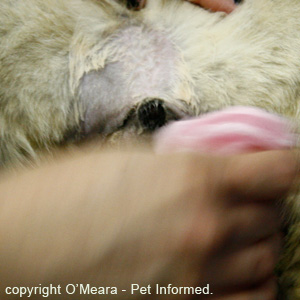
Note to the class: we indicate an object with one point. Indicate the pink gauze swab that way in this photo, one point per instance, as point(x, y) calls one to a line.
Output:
point(233, 130)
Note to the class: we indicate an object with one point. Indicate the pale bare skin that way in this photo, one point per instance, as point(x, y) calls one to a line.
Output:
point(117, 218)
point(214, 5)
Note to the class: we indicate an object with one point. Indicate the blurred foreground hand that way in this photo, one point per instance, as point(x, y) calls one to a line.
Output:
point(113, 219)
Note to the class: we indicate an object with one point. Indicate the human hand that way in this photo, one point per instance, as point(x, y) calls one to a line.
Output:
point(118, 218)
point(210, 220)
point(245, 241)
point(230, 131)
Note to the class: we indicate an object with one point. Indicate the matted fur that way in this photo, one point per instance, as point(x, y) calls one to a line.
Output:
point(58, 59)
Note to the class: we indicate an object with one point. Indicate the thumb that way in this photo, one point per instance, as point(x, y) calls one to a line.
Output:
point(216, 5)
point(262, 176)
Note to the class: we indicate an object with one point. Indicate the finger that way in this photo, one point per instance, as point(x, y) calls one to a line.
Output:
point(266, 291)
point(249, 224)
point(236, 228)
point(245, 268)
point(216, 5)
point(261, 176)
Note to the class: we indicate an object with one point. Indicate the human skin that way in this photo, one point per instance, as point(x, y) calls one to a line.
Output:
point(216, 5)
point(117, 218)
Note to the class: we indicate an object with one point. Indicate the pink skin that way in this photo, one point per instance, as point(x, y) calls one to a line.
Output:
point(216, 5)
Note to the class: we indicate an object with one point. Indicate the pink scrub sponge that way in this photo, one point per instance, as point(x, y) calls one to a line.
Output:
point(230, 131)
